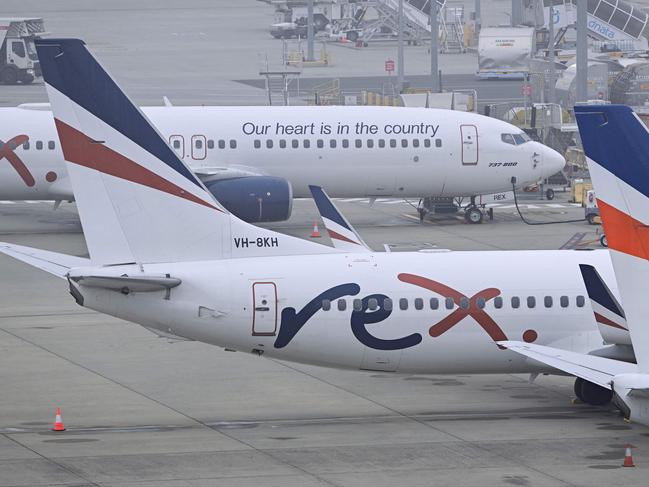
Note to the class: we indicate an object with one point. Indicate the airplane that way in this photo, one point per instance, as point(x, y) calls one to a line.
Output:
point(255, 160)
point(165, 254)
point(616, 145)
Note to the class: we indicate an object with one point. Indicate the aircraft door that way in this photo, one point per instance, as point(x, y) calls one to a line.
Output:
point(469, 135)
point(177, 143)
point(264, 311)
point(199, 147)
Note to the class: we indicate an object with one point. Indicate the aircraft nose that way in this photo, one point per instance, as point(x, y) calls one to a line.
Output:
point(553, 162)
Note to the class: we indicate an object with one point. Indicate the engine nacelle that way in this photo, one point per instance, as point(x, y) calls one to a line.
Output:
point(254, 198)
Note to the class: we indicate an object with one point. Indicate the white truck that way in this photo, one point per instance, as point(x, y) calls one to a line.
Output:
point(505, 52)
point(18, 59)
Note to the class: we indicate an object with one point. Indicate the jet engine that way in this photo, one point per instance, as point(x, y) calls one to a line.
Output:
point(254, 198)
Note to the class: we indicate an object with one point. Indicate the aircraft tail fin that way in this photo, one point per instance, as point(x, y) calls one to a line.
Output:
point(138, 202)
point(343, 235)
point(616, 145)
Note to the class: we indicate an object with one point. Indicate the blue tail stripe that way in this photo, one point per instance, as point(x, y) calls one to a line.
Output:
point(71, 69)
point(326, 208)
point(604, 129)
point(598, 291)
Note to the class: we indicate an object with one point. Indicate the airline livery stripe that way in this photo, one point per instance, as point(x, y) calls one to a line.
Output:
point(338, 236)
point(605, 321)
point(624, 233)
point(80, 149)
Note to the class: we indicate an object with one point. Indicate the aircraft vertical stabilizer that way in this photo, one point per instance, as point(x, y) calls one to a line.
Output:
point(138, 202)
point(616, 145)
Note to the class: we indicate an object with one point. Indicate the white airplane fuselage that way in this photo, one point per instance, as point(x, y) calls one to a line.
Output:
point(278, 306)
point(379, 151)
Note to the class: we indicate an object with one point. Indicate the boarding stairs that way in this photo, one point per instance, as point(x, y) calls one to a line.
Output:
point(452, 29)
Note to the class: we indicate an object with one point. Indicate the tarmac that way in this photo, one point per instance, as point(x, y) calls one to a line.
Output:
point(140, 410)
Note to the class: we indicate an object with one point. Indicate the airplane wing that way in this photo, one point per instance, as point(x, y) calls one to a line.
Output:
point(221, 172)
point(52, 262)
point(594, 369)
point(342, 234)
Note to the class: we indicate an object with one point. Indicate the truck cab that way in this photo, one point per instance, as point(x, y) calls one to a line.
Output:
point(18, 59)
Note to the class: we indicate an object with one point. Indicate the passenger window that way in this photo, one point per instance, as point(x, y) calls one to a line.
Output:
point(176, 144)
point(26, 145)
point(342, 305)
point(332, 143)
point(404, 143)
point(403, 304)
point(358, 143)
point(233, 144)
point(419, 303)
point(381, 143)
point(221, 144)
point(210, 144)
point(358, 305)
point(498, 302)
point(516, 302)
point(198, 143)
point(547, 301)
point(39, 145)
point(481, 303)
point(370, 143)
point(464, 302)
point(426, 143)
point(438, 142)
point(387, 304)
point(581, 301)
point(326, 305)
point(345, 143)
point(320, 143)
point(282, 143)
point(393, 143)
point(434, 303)
point(507, 139)
point(51, 145)
point(415, 142)
point(306, 143)
point(449, 303)
point(269, 143)
point(531, 301)
point(563, 300)
point(372, 304)
point(257, 143)
point(295, 143)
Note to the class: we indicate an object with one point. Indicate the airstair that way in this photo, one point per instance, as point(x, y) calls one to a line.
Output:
point(615, 22)
point(452, 29)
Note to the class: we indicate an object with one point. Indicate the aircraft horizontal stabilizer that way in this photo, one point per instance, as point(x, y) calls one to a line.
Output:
point(52, 262)
point(594, 369)
point(141, 283)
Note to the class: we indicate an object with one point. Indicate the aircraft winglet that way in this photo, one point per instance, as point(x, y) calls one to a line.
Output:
point(343, 235)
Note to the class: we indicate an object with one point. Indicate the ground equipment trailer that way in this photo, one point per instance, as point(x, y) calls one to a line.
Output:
point(18, 59)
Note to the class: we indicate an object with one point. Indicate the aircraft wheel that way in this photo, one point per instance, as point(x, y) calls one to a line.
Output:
point(549, 194)
point(603, 241)
point(595, 395)
point(473, 214)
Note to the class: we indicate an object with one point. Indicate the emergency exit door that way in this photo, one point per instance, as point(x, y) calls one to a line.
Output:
point(264, 311)
point(469, 144)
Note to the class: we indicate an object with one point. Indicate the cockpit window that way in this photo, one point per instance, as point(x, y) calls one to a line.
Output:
point(515, 139)
point(508, 139)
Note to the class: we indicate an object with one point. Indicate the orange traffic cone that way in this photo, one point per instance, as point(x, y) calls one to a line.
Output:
point(628, 459)
point(316, 231)
point(58, 421)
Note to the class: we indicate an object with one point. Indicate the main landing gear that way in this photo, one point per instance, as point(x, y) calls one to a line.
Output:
point(592, 393)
